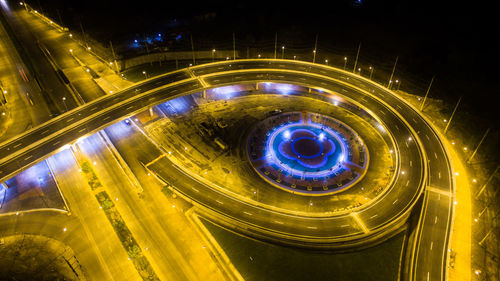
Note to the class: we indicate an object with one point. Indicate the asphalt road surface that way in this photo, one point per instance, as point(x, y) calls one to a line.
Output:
point(422, 157)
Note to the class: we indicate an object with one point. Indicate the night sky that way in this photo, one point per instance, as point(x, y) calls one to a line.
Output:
point(454, 41)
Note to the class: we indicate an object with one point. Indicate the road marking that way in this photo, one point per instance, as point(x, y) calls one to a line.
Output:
point(439, 174)
point(373, 216)
point(81, 130)
point(250, 214)
point(397, 127)
point(439, 191)
point(129, 107)
point(360, 222)
point(427, 137)
point(408, 182)
point(345, 225)
point(44, 132)
point(93, 108)
point(411, 163)
point(435, 219)
point(394, 201)
point(54, 144)
point(428, 275)
point(279, 222)
point(69, 120)
point(106, 118)
point(432, 243)
point(312, 227)
point(398, 106)
point(435, 155)
point(156, 159)
point(28, 157)
point(219, 202)
point(382, 112)
point(17, 145)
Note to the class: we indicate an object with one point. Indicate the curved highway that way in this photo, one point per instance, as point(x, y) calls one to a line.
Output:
point(423, 160)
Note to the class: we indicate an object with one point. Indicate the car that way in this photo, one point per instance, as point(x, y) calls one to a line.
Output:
point(128, 122)
point(275, 111)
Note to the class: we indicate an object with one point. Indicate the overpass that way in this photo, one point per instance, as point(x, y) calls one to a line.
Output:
point(421, 155)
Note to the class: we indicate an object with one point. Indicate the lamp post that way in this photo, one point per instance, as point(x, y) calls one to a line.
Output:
point(392, 73)
point(345, 62)
point(371, 72)
point(64, 101)
point(477, 148)
point(399, 84)
point(452, 114)
point(356, 61)
point(426, 93)
point(213, 55)
point(315, 48)
point(145, 74)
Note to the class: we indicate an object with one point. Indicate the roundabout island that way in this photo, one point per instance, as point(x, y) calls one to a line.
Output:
point(307, 157)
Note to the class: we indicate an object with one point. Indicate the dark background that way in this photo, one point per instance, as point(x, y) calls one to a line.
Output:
point(455, 41)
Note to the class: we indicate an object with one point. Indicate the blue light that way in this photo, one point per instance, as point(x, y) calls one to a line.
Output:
point(226, 92)
point(286, 135)
point(321, 136)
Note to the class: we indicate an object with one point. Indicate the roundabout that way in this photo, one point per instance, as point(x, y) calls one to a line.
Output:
point(307, 157)
point(420, 167)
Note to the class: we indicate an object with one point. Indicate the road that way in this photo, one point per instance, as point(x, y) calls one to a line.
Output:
point(108, 109)
point(113, 259)
point(25, 106)
point(149, 218)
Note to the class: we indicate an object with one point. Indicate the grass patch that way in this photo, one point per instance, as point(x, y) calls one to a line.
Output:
point(259, 261)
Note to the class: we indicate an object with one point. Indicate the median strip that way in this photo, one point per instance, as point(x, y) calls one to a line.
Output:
point(126, 238)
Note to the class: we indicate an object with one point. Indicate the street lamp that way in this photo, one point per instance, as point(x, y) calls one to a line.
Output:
point(326, 61)
point(282, 52)
point(213, 55)
point(359, 70)
point(314, 56)
point(145, 74)
point(345, 62)
point(64, 101)
point(371, 72)
point(399, 84)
